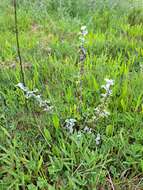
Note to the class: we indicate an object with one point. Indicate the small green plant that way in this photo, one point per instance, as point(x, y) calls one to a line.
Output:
point(98, 146)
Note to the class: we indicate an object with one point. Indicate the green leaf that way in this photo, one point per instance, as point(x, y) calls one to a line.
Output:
point(109, 130)
point(69, 94)
point(32, 187)
point(40, 163)
point(5, 132)
point(56, 121)
point(123, 104)
point(141, 165)
point(42, 183)
point(95, 84)
point(51, 187)
point(47, 134)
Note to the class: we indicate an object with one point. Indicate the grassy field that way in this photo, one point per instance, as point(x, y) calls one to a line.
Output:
point(82, 129)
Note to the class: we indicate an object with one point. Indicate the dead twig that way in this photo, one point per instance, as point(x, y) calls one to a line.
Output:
point(109, 179)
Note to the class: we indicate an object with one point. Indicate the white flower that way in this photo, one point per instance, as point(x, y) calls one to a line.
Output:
point(98, 138)
point(100, 110)
point(83, 33)
point(97, 110)
point(48, 108)
point(141, 67)
point(84, 30)
point(109, 81)
point(70, 123)
point(22, 87)
point(38, 97)
point(106, 87)
point(32, 94)
point(87, 130)
point(104, 113)
point(79, 134)
point(82, 39)
point(71, 120)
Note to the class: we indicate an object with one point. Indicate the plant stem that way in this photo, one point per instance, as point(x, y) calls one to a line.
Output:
point(81, 73)
point(17, 41)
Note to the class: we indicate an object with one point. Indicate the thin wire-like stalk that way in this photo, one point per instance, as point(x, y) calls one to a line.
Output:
point(22, 76)
point(81, 73)
point(17, 42)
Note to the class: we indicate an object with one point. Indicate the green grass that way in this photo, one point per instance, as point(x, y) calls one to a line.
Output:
point(36, 152)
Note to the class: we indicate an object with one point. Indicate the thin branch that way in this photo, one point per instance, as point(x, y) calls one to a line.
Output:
point(17, 41)
point(109, 179)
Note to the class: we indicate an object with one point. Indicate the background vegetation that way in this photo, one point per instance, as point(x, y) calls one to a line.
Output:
point(36, 152)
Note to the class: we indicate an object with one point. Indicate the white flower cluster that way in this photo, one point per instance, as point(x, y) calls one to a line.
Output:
point(106, 87)
point(90, 131)
point(87, 130)
point(98, 139)
point(100, 110)
point(69, 124)
point(44, 104)
point(83, 33)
